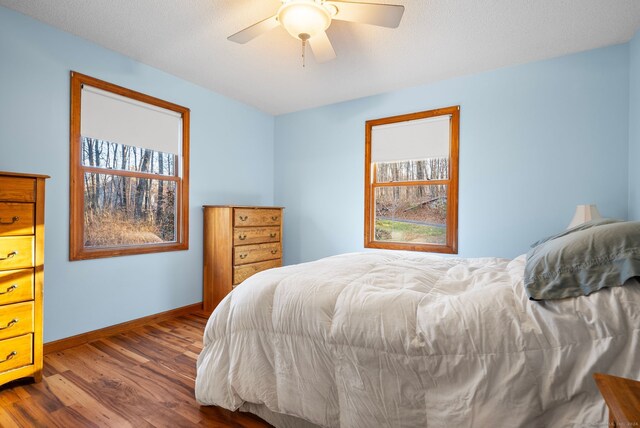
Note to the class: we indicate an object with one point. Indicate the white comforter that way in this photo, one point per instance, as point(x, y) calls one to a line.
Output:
point(394, 339)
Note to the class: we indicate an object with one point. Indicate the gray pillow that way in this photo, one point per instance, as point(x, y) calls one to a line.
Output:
point(583, 260)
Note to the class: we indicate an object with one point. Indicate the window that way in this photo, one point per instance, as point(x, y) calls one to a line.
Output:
point(129, 172)
point(411, 181)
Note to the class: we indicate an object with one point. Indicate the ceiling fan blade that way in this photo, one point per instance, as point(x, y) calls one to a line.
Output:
point(321, 47)
point(250, 33)
point(384, 15)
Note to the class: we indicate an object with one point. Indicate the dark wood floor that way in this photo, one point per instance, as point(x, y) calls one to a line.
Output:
point(141, 378)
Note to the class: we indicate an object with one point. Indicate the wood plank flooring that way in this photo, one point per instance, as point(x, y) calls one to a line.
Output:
point(141, 378)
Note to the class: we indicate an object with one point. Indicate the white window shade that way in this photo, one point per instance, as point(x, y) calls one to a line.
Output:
point(117, 119)
point(412, 140)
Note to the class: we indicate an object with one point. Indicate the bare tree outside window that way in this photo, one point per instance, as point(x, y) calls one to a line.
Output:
point(416, 214)
point(123, 210)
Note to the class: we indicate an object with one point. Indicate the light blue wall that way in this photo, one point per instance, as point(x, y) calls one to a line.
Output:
point(634, 128)
point(231, 152)
point(535, 141)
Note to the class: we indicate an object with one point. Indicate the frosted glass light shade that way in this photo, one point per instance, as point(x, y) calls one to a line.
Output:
point(304, 17)
point(583, 214)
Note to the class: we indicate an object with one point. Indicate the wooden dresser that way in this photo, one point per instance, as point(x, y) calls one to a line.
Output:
point(239, 241)
point(21, 275)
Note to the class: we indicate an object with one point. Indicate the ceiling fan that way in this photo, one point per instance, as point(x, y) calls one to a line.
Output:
point(307, 20)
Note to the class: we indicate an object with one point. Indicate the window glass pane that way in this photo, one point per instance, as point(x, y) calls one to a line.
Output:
point(412, 170)
point(105, 154)
point(128, 210)
point(411, 214)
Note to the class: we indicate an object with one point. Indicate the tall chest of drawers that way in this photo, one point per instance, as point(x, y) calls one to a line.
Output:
point(239, 241)
point(21, 275)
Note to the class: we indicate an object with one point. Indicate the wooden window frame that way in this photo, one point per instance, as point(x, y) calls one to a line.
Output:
point(77, 249)
point(451, 246)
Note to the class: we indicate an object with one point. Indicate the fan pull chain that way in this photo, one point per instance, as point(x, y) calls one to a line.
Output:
point(304, 37)
point(304, 45)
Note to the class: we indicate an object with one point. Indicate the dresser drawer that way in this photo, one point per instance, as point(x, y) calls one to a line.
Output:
point(16, 319)
point(16, 252)
point(255, 253)
point(255, 235)
point(16, 219)
point(16, 286)
point(17, 189)
point(256, 217)
point(240, 273)
point(16, 352)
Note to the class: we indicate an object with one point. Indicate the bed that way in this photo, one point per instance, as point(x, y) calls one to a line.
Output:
point(401, 339)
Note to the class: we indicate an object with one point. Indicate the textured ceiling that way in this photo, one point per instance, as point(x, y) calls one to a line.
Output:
point(436, 39)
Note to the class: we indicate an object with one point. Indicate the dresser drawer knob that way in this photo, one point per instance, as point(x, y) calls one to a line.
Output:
point(10, 324)
point(274, 217)
point(243, 217)
point(10, 356)
point(242, 237)
point(9, 289)
point(243, 256)
point(274, 251)
point(13, 220)
point(9, 256)
point(272, 235)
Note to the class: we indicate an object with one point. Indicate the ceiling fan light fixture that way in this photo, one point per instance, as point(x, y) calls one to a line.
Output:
point(307, 21)
point(304, 17)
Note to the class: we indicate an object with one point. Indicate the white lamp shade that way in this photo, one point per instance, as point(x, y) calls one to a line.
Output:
point(304, 17)
point(584, 213)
